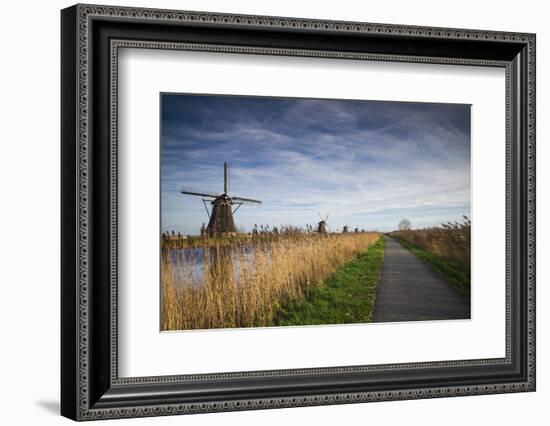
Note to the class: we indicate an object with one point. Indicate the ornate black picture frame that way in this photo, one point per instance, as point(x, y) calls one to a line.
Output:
point(91, 36)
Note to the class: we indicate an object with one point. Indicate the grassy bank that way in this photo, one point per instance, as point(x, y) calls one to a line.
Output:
point(347, 296)
point(454, 273)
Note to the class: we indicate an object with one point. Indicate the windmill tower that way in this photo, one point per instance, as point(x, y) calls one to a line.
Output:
point(322, 226)
point(222, 208)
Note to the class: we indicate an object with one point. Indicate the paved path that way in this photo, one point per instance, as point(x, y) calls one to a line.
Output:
point(410, 291)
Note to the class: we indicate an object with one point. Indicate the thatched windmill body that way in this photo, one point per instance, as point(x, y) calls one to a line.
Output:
point(222, 208)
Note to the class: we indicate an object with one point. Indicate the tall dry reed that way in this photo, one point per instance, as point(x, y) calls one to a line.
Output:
point(450, 241)
point(244, 287)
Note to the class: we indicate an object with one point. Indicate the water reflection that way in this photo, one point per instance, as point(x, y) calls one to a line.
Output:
point(190, 265)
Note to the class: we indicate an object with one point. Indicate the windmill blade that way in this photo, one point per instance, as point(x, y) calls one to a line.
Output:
point(189, 191)
point(226, 181)
point(246, 200)
point(326, 218)
point(320, 217)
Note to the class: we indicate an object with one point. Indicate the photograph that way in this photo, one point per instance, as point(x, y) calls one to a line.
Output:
point(279, 211)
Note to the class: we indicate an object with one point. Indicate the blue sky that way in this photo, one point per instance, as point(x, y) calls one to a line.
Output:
point(366, 163)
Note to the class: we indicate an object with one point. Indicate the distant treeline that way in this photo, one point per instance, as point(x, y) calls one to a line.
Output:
point(174, 240)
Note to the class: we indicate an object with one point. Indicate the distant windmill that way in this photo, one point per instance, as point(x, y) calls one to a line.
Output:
point(322, 226)
point(221, 218)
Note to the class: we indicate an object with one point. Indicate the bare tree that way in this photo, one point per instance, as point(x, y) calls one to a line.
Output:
point(404, 225)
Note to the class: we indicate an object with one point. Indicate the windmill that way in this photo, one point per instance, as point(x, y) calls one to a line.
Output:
point(322, 226)
point(221, 216)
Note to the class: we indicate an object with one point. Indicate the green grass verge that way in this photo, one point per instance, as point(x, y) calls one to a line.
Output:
point(454, 273)
point(347, 296)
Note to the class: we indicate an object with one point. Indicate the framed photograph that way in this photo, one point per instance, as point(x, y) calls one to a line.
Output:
point(263, 212)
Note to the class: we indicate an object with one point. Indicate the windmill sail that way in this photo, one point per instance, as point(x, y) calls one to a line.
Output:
point(225, 178)
point(190, 191)
point(246, 200)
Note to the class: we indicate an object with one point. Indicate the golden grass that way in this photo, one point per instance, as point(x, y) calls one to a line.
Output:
point(247, 288)
point(450, 241)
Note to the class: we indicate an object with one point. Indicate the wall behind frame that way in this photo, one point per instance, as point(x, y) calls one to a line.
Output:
point(30, 225)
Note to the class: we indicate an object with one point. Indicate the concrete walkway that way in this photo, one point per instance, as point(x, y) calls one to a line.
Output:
point(410, 291)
